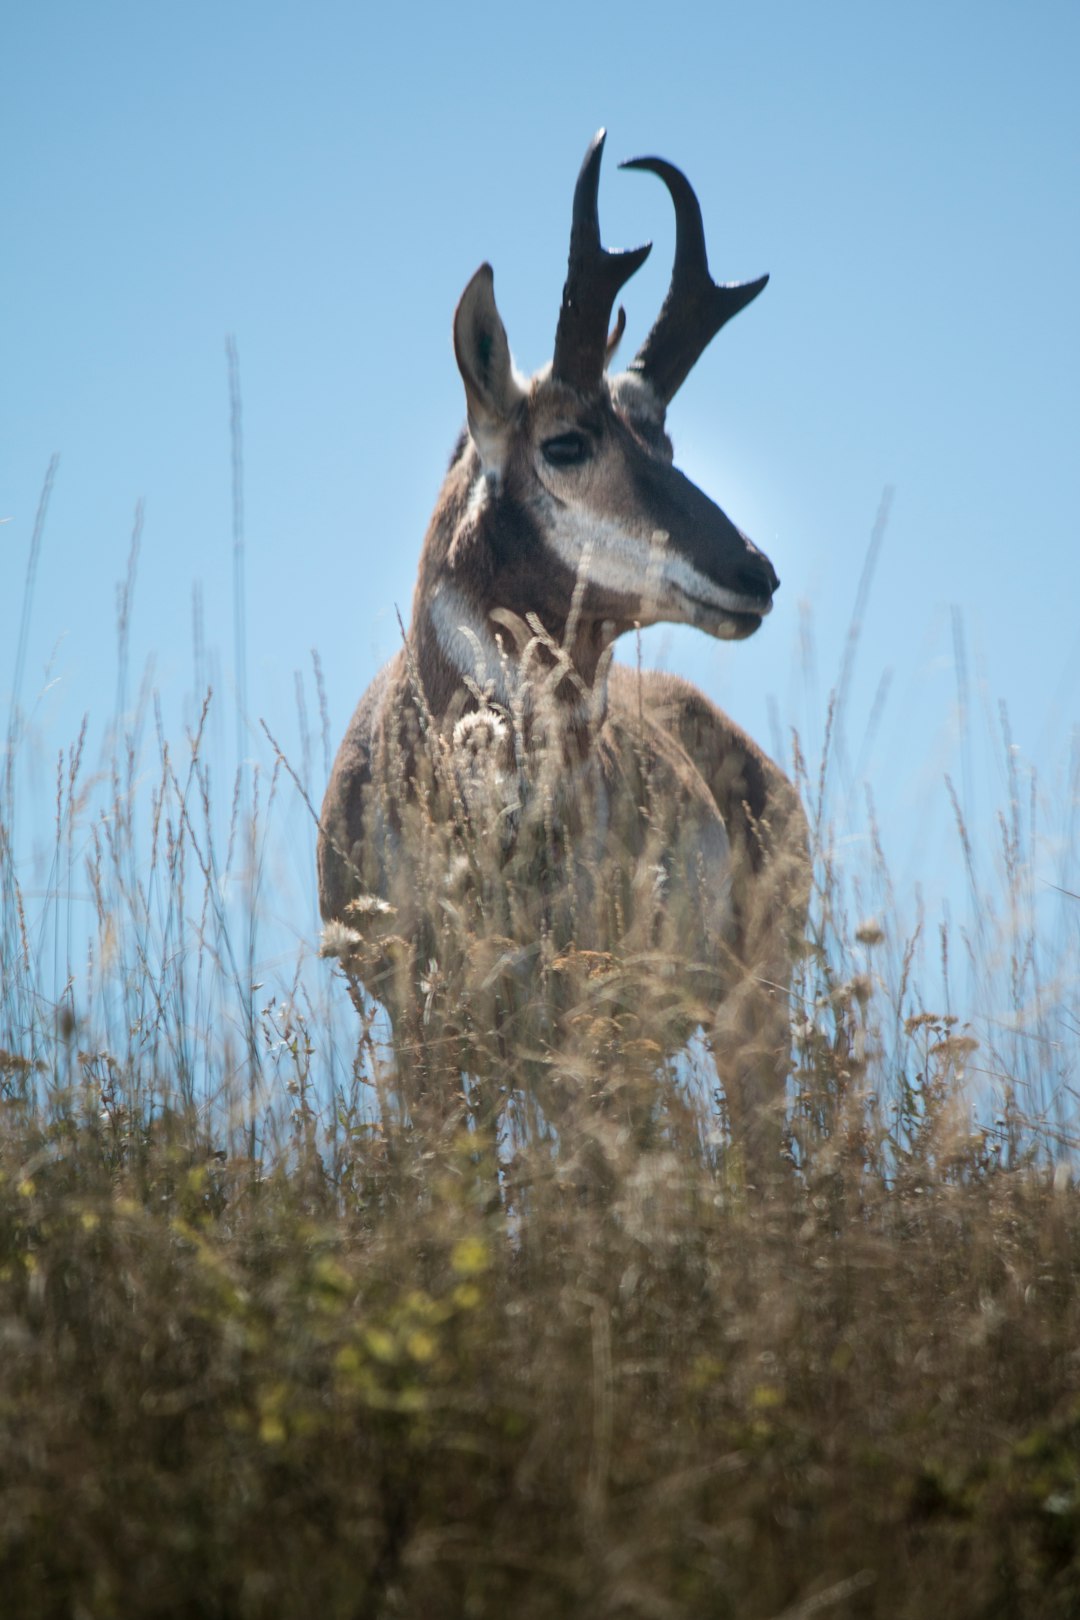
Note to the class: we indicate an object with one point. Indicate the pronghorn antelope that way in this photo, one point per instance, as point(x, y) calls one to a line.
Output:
point(605, 826)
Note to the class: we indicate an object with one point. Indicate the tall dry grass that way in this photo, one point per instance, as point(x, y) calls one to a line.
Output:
point(274, 1345)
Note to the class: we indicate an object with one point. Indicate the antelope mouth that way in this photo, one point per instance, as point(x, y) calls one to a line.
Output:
point(729, 624)
point(737, 626)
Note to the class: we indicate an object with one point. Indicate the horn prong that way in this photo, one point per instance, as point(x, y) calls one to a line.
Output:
point(696, 307)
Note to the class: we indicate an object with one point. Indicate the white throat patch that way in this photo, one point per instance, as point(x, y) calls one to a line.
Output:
point(467, 643)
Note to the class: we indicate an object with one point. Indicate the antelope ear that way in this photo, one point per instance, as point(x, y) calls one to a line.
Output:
point(492, 391)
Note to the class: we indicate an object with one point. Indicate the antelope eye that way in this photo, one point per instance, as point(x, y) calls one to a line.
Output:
point(566, 450)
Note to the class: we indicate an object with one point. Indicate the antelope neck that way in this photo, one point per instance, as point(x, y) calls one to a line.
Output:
point(461, 650)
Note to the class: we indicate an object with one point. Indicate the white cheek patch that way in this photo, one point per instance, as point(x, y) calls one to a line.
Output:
point(638, 564)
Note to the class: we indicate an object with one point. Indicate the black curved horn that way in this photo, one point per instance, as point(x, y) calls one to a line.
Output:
point(695, 307)
point(593, 280)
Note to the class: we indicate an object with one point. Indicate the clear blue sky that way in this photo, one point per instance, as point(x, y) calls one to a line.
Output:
point(320, 180)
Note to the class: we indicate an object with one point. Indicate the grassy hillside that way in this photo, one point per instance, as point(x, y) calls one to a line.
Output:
point(274, 1344)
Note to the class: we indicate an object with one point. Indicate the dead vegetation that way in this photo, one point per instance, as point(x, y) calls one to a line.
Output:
point(275, 1342)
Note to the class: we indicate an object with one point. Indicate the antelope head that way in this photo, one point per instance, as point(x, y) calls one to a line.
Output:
point(575, 511)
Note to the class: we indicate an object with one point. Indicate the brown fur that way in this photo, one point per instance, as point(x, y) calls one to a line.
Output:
point(561, 524)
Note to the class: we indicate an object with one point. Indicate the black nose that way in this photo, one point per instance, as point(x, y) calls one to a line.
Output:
point(757, 576)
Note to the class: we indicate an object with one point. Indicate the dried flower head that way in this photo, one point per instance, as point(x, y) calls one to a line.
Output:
point(369, 905)
point(339, 940)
